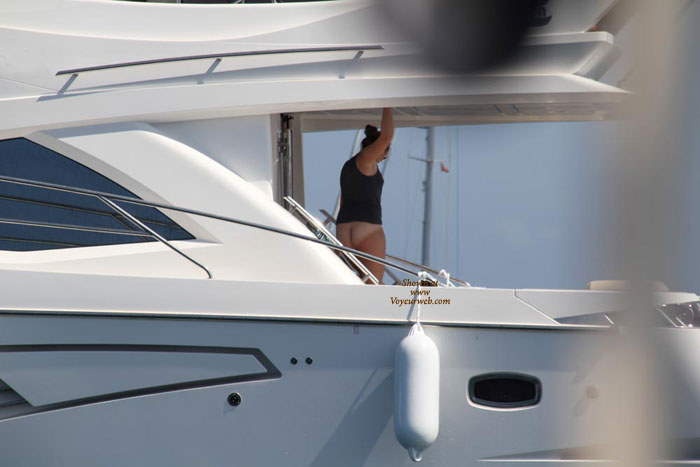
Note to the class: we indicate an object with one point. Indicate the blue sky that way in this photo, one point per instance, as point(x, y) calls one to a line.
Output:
point(514, 210)
point(524, 205)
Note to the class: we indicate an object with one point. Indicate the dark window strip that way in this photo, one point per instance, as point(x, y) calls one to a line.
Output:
point(42, 242)
point(118, 217)
point(79, 228)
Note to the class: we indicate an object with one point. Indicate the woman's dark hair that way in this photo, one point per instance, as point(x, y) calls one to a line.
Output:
point(371, 135)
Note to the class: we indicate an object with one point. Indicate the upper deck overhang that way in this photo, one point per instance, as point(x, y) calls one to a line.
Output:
point(320, 69)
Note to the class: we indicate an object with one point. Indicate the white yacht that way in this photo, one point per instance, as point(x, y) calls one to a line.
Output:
point(163, 301)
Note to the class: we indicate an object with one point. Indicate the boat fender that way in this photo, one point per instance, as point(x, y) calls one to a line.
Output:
point(416, 392)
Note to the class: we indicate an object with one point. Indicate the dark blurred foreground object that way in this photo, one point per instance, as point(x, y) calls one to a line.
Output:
point(465, 35)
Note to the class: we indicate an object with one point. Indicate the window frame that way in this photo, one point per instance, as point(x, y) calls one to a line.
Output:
point(36, 196)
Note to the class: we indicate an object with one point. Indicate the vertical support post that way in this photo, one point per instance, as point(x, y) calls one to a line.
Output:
point(428, 186)
point(297, 160)
point(284, 148)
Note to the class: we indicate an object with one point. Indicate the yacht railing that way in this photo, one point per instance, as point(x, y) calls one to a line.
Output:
point(53, 225)
point(360, 49)
point(107, 199)
point(321, 226)
point(149, 233)
point(323, 234)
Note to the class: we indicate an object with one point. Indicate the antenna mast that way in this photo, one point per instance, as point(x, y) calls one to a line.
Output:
point(428, 188)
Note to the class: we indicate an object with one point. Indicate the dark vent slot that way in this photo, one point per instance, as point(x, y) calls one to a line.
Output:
point(8, 396)
point(505, 390)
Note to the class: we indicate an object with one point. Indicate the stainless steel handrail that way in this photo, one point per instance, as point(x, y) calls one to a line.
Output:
point(52, 225)
point(429, 269)
point(97, 212)
point(248, 53)
point(140, 202)
point(153, 233)
point(329, 218)
point(105, 198)
point(315, 222)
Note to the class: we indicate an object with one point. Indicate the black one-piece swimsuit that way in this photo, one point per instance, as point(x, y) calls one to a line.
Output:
point(361, 194)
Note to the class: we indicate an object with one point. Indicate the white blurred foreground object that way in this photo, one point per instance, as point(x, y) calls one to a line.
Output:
point(623, 285)
point(416, 392)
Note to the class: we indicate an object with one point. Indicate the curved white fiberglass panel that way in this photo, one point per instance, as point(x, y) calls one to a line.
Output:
point(167, 22)
point(160, 169)
point(172, 22)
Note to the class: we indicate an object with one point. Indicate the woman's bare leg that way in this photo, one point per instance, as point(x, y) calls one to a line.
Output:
point(373, 244)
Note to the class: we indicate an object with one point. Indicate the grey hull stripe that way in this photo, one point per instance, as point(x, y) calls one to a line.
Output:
point(271, 371)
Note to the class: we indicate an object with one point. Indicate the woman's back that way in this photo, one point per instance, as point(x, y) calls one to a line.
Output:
point(361, 194)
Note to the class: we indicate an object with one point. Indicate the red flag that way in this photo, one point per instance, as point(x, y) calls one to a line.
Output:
point(443, 168)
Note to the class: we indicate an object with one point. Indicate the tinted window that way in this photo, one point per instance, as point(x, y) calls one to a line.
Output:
point(77, 214)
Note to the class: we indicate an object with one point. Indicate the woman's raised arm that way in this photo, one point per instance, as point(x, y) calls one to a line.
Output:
point(387, 130)
point(376, 151)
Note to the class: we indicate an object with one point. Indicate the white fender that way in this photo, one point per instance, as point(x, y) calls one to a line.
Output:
point(416, 392)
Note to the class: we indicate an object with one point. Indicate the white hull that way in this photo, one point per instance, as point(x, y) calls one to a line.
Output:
point(336, 411)
point(147, 383)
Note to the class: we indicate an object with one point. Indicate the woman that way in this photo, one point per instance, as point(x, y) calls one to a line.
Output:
point(359, 223)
